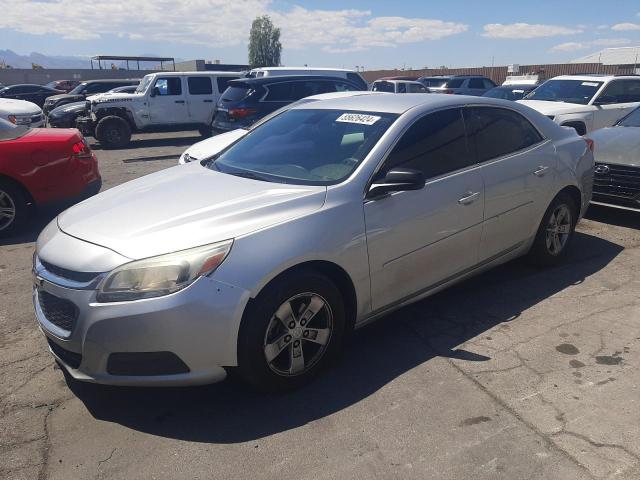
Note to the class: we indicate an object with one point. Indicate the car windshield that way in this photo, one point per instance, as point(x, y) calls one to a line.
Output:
point(510, 93)
point(434, 82)
point(631, 120)
point(383, 87)
point(305, 146)
point(144, 84)
point(570, 91)
point(80, 88)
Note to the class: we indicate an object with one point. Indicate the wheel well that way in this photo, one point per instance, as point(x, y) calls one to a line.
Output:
point(16, 183)
point(575, 194)
point(338, 276)
point(579, 127)
point(121, 112)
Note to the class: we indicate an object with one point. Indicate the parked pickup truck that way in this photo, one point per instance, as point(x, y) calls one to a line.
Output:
point(164, 101)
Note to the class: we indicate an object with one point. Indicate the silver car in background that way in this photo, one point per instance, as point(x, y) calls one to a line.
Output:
point(617, 170)
point(325, 217)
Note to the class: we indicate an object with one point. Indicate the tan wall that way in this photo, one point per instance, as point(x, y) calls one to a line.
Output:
point(498, 74)
point(24, 75)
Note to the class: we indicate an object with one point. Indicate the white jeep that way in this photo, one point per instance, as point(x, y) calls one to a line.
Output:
point(586, 102)
point(164, 101)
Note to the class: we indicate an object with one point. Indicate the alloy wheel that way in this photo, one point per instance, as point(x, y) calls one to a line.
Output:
point(298, 334)
point(558, 229)
point(7, 210)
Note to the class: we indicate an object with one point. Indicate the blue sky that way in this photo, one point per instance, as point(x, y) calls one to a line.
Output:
point(373, 34)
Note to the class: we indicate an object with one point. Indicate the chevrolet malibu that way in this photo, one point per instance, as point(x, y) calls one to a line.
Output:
point(262, 257)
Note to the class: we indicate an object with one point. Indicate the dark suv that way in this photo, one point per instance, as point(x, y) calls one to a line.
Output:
point(247, 100)
point(475, 85)
point(83, 90)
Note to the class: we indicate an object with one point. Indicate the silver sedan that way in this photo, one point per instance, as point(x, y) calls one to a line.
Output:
point(265, 254)
point(617, 170)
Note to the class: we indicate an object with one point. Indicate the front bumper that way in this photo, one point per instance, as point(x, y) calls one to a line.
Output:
point(198, 325)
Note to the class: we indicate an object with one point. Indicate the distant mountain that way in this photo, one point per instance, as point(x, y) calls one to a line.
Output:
point(60, 61)
point(24, 61)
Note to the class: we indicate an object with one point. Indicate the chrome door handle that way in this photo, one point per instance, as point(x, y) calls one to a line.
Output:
point(469, 198)
point(541, 171)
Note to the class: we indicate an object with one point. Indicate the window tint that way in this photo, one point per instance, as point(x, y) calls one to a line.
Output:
point(402, 88)
point(455, 83)
point(199, 85)
point(496, 132)
point(382, 86)
point(344, 87)
point(223, 82)
point(292, 91)
point(99, 87)
point(355, 78)
point(620, 91)
point(169, 86)
point(279, 92)
point(435, 144)
point(476, 83)
point(488, 83)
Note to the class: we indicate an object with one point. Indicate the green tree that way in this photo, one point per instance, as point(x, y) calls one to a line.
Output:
point(264, 43)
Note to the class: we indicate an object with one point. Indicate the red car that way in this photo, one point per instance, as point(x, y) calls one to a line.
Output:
point(42, 166)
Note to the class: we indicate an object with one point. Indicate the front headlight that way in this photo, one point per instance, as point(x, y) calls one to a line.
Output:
point(162, 275)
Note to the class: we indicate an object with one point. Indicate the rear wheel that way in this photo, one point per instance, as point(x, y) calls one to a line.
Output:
point(555, 231)
point(14, 209)
point(113, 132)
point(205, 131)
point(292, 331)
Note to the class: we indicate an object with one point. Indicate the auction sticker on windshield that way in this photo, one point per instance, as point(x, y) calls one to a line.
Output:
point(358, 118)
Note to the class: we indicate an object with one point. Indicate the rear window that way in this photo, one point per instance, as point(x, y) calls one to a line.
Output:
point(236, 93)
point(223, 82)
point(383, 87)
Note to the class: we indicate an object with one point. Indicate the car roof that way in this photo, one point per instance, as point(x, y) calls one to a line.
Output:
point(397, 81)
point(596, 77)
point(208, 73)
point(286, 78)
point(400, 104)
point(513, 86)
point(328, 69)
point(112, 80)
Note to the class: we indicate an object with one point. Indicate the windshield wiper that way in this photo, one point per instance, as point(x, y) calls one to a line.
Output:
point(251, 175)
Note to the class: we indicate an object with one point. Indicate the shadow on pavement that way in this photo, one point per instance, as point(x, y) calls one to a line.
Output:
point(147, 142)
point(39, 219)
point(374, 356)
point(614, 216)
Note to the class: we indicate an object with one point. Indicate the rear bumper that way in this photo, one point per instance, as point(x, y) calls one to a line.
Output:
point(90, 190)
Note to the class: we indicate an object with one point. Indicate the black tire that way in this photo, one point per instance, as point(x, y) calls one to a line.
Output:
point(205, 131)
point(260, 325)
point(113, 132)
point(545, 251)
point(12, 201)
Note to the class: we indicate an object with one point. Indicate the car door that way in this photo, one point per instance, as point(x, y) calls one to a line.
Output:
point(200, 99)
point(419, 239)
point(518, 169)
point(617, 99)
point(167, 103)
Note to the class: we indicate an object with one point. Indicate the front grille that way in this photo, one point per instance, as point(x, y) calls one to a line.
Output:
point(70, 358)
point(617, 184)
point(62, 313)
point(83, 277)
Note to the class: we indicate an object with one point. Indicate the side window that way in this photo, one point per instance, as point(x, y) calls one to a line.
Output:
point(620, 91)
point(402, 88)
point(169, 86)
point(476, 83)
point(455, 83)
point(413, 88)
point(435, 144)
point(97, 88)
point(488, 84)
point(279, 92)
point(199, 85)
point(496, 132)
point(355, 78)
point(223, 82)
point(344, 87)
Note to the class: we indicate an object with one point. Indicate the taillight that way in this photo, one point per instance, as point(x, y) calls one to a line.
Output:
point(241, 112)
point(590, 144)
point(81, 149)
point(12, 119)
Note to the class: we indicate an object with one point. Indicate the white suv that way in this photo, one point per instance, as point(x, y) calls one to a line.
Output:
point(586, 102)
point(164, 101)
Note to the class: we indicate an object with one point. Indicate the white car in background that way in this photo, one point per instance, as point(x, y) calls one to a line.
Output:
point(211, 146)
point(331, 72)
point(398, 86)
point(586, 102)
point(21, 112)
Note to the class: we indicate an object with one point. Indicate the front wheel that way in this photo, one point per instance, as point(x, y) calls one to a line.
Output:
point(555, 231)
point(113, 132)
point(14, 208)
point(292, 331)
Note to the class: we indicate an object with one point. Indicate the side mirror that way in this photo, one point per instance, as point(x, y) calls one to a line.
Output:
point(155, 91)
point(396, 180)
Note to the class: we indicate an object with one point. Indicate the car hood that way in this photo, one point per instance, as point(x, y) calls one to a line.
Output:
point(68, 107)
point(115, 97)
point(556, 108)
point(183, 207)
point(64, 96)
point(9, 106)
point(211, 146)
point(617, 145)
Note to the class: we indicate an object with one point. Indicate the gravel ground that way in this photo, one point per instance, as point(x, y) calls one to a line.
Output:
point(520, 373)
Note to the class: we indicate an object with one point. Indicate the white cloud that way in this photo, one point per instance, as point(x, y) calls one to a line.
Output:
point(602, 27)
point(622, 27)
point(569, 47)
point(218, 23)
point(601, 42)
point(526, 30)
